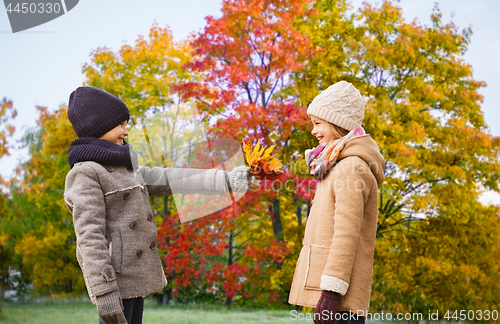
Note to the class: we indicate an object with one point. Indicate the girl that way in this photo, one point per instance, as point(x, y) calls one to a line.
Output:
point(335, 266)
point(108, 197)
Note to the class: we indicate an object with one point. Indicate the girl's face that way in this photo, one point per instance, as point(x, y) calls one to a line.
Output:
point(322, 130)
point(117, 134)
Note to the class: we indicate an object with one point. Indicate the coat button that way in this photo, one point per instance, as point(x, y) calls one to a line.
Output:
point(110, 273)
point(133, 224)
point(110, 168)
point(153, 245)
point(139, 252)
point(150, 218)
point(126, 195)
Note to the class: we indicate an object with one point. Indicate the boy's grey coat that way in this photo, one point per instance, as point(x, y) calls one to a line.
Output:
point(114, 224)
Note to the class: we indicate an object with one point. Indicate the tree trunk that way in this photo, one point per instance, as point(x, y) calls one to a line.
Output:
point(230, 260)
point(166, 209)
point(166, 297)
point(298, 208)
point(274, 209)
point(5, 274)
point(69, 285)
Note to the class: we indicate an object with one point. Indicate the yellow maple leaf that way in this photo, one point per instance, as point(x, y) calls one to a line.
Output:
point(263, 165)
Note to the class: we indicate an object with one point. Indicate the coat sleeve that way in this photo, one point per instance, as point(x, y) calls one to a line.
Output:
point(165, 181)
point(85, 200)
point(351, 189)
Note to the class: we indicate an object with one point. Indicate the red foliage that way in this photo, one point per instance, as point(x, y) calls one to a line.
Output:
point(247, 57)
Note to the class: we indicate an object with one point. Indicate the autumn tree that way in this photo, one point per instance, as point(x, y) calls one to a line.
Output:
point(7, 114)
point(424, 110)
point(445, 263)
point(144, 76)
point(423, 107)
point(250, 54)
point(48, 245)
point(248, 57)
point(38, 222)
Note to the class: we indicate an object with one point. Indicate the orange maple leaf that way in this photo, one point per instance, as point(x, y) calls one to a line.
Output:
point(263, 165)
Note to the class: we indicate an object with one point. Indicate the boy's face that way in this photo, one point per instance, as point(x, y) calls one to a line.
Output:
point(117, 134)
point(322, 130)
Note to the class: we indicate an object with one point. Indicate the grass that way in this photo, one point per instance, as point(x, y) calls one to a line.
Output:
point(83, 312)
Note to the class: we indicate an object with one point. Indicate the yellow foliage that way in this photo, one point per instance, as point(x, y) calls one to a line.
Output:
point(263, 165)
point(53, 260)
point(3, 239)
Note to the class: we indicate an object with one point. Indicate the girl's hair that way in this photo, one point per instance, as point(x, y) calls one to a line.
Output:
point(338, 132)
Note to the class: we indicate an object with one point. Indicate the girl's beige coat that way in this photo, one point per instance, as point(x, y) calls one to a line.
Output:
point(339, 240)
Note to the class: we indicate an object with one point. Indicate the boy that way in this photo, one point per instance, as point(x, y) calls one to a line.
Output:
point(109, 200)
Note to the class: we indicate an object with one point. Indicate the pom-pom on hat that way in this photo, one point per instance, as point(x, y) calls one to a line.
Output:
point(94, 112)
point(340, 104)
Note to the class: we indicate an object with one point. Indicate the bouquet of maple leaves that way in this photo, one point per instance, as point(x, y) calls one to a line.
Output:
point(263, 165)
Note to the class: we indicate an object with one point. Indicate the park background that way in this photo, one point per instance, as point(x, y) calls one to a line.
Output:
point(252, 69)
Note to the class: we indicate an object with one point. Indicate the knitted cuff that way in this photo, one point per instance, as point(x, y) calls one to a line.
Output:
point(330, 294)
point(109, 303)
point(331, 304)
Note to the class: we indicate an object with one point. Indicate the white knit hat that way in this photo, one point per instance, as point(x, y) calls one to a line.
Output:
point(341, 104)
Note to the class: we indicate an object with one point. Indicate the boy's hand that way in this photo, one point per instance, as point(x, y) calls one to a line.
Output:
point(110, 308)
point(240, 178)
point(114, 319)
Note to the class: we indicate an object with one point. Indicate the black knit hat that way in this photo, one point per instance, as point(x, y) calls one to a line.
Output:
point(94, 112)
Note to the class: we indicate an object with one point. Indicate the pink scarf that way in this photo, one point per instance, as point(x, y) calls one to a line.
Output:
point(322, 158)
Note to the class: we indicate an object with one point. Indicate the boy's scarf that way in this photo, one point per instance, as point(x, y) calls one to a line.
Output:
point(323, 157)
point(101, 151)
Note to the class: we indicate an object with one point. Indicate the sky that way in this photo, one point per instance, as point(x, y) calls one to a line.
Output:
point(42, 65)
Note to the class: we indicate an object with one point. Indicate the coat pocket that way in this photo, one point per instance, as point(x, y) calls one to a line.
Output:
point(115, 249)
point(316, 261)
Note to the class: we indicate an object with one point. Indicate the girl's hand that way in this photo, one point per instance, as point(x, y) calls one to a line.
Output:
point(325, 310)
